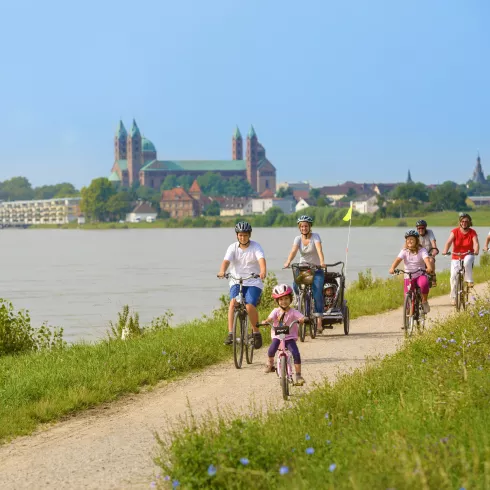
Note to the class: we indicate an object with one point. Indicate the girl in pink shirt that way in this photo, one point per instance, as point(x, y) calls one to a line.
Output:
point(283, 294)
point(415, 257)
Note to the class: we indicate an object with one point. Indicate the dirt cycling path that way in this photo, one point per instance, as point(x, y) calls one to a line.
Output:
point(112, 446)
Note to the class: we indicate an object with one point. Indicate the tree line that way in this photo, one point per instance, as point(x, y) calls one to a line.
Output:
point(20, 189)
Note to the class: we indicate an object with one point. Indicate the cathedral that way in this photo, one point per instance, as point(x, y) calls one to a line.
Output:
point(135, 160)
point(478, 175)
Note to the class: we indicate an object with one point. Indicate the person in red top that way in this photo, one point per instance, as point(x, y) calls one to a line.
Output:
point(464, 240)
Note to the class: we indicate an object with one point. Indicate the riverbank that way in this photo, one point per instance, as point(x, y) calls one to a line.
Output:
point(49, 385)
point(415, 419)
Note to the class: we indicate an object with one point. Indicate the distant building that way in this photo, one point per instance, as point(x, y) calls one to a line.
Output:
point(135, 160)
point(479, 200)
point(365, 204)
point(304, 203)
point(141, 212)
point(478, 175)
point(295, 186)
point(232, 206)
point(57, 211)
point(262, 205)
point(179, 203)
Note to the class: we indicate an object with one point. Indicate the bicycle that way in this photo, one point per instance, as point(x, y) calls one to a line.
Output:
point(413, 312)
point(303, 275)
point(242, 333)
point(462, 289)
point(283, 361)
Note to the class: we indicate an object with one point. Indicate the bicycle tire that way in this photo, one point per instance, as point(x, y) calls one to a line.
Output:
point(346, 320)
point(464, 295)
point(459, 291)
point(313, 319)
point(237, 340)
point(284, 377)
point(249, 342)
point(302, 326)
point(408, 315)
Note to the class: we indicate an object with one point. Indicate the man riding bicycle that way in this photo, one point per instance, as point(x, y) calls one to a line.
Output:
point(463, 239)
point(245, 257)
point(428, 240)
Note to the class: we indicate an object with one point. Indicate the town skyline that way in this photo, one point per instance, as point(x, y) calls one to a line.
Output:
point(361, 91)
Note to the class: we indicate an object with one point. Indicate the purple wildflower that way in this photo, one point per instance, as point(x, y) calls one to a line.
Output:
point(244, 461)
point(307, 437)
point(176, 483)
point(283, 470)
point(153, 484)
point(332, 467)
point(309, 450)
point(211, 470)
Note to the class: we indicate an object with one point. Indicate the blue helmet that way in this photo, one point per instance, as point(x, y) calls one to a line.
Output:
point(243, 227)
point(413, 233)
point(307, 219)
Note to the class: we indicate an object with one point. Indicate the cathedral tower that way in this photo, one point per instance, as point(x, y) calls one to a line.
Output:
point(237, 145)
point(120, 142)
point(478, 175)
point(252, 158)
point(134, 154)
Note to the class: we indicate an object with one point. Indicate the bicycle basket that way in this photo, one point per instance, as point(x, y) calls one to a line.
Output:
point(303, 275)
point(281, 329)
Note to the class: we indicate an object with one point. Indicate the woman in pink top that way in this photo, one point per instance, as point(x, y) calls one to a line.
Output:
point(415, 257)
point(283, 294)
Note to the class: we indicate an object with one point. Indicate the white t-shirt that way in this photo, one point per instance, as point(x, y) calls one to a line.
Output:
point(412, 261)
point(425, 240)
point(308, 254)
point(244, 261)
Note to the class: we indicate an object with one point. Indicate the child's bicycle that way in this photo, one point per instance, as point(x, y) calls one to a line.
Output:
point(283, 362)
point(462, 290)
point(242, 332)
point(303, 275)
point(413, 313)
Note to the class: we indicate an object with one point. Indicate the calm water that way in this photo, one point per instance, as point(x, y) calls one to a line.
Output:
point(80, 279)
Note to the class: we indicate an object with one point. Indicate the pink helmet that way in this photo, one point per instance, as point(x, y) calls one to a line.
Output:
point(281, 290)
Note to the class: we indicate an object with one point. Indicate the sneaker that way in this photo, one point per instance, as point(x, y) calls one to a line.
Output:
point(453, 302)
point(426, 307)
point(269, 368)
point(299, 381)
point(257, 336)
point(228, 339)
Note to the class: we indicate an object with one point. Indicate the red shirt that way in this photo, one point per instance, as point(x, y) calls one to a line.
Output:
point(462, 242)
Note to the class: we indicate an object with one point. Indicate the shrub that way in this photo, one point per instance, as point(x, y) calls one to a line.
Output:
point(18, 336)
point(127, 325)
point(485, 260)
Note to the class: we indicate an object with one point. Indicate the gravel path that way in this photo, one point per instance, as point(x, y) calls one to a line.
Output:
point(112, 446)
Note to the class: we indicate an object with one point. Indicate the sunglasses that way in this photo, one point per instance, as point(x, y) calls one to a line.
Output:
point(464, 221)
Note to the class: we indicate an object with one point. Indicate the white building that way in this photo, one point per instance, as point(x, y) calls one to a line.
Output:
point(57, 211)
point(142, 212)
point(295, 186)
point(366, 204)
point(262, 205)
point(232, 206)
point(303, 204)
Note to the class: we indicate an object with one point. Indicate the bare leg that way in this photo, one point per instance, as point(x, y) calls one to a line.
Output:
point(231, 314)
point(253, 316)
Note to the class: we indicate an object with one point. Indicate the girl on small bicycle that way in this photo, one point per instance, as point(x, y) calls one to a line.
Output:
point(283, 295)
point(415, 257)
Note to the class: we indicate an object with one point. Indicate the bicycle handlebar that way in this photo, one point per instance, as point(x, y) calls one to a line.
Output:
point(268, 324)
point(469, 252)
point(306, 266)
point(410, 274)
point(231, 276)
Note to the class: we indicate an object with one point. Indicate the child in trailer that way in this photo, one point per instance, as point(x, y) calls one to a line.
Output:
point(284, 314)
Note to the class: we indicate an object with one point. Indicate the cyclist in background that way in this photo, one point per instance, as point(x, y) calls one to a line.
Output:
point(283, 296)
point(245, 257)
point(310, 249)
point(487, 241)
point(463, 239)
point(428, 240)
point(415, 257)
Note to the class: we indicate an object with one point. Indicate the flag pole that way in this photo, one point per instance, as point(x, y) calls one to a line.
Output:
point(349, 216)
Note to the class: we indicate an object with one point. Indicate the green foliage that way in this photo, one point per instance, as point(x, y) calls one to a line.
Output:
point(315, 193)
point(18, 336)
point(19, 188)
point(446, 196)
point(95, 198)
point(169, 183)
point(150, 195)
point(284, 192)
point(402, 422)
point(212, 209)
point(127, 325)
point(118, 205)
point(411, 191)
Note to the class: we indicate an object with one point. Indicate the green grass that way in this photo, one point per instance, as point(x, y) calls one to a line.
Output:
point(46, 386)
point(417, 419)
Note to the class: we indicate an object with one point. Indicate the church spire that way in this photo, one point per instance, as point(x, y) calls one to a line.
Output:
point(251, 133)
point(409, 178)
point(135, 131)
point(237, 145)
point(478, 175)
point(121, 130)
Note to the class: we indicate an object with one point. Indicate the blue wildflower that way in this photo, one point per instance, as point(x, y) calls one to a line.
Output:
point(457, 353)
point(283, 470)
point(176, 483)
point(309, 450)
point(326, 415)
point(211, 470)
point(163, 352)
point(452, 341)
point(332, 467)
point(307, 437)
point(244, 461)
point(153, 484)
point(166, 478)
point(328, 442)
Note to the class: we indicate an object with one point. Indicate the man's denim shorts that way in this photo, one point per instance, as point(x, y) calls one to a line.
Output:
point(251, 293)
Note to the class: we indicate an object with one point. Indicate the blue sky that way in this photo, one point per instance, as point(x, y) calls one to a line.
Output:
point(346, 90)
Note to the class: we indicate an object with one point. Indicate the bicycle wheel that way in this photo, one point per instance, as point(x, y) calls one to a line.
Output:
point(420, 313)
point(302, 309)
point(313, 320)
point(408, 316)
point(249, 341)
point(464, 295)
point(238, 339)
point(284, 377)
point(346, 320)
point(459, 292)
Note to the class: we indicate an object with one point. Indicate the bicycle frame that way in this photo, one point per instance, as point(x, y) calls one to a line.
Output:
point(462, 292)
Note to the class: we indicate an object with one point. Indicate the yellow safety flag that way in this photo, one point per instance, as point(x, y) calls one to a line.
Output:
point(348, 215)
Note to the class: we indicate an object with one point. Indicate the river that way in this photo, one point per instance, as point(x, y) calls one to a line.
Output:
point(80, 279)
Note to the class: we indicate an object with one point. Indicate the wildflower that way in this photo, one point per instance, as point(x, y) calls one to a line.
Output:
point(332, 467)
point(153, 484)
point(309, 450)
point(175, 483)
point(211, 470)
point(283, 470)
point(163, 352)
point(480, 368)
point(424, 360)
point(326, 415)
point(361, 417)
point(457, 353)
point(307, 437)
point(328, 442)
point(444, 346)
point(369, 392)
point(444, 440)
point(329, 424)
point(244, 461)
point(452, 341)
point(167, 478)
point(350, 412)
point(439, 339)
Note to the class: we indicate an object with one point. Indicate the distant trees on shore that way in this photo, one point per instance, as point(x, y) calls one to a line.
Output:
point(20, 189)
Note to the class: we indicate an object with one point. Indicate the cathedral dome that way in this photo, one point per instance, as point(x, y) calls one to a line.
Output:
point(147, 145)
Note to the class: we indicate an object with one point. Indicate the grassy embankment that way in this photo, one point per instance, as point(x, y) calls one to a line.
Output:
point(45, 386)
point(417, 419)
